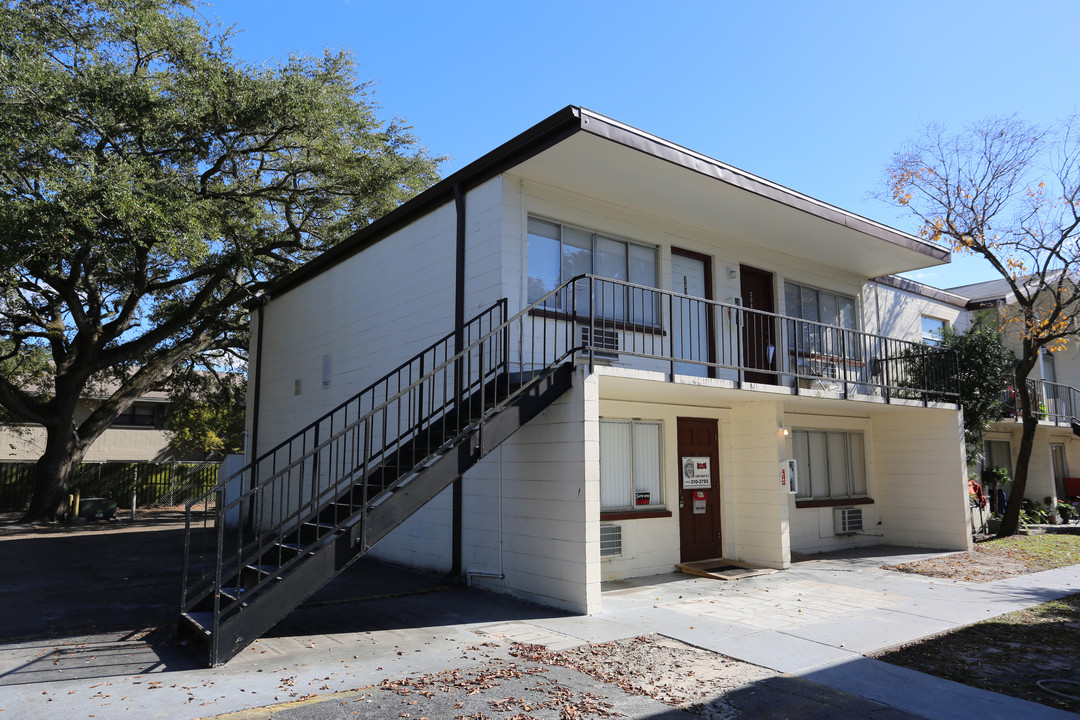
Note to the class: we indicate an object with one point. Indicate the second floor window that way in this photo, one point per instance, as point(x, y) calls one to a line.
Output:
point(932, 329)
point(557, 253)
point(812, 342)
point(141, 415)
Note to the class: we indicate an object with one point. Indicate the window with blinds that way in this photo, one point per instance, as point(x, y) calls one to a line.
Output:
point(832, 465)
point(631, 474)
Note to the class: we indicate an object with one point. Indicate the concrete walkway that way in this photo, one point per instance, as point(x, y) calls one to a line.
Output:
point(814, 622)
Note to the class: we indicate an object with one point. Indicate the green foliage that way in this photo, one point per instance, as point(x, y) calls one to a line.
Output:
point(150, 183)
point(985, 369)
point(206, 413)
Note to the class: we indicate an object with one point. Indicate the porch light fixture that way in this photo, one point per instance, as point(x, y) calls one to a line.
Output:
point(785, 430)
point(732, 272)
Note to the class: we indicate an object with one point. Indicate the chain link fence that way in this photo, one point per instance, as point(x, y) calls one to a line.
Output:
point(137, 484)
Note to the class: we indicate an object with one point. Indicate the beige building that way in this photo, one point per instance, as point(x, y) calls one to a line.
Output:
point(132, 438)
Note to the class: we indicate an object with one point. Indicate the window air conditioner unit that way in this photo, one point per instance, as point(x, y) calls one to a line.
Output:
point(847, 520)
point(604, 341)
point(610, 540)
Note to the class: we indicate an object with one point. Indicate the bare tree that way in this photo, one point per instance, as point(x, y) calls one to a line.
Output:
point(1007, 191)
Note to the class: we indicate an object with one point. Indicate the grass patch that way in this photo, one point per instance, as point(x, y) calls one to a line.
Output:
point(1048, 550)
point(1009, 654)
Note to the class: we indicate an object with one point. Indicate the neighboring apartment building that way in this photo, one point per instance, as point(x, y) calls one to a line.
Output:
point(683, 328)
point(136, 436)
point(915, 310)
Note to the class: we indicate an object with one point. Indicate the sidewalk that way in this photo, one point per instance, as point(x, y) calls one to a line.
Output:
point(811, 625)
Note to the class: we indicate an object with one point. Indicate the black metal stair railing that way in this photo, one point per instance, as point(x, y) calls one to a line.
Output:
point(199, 565)
point(330, 483)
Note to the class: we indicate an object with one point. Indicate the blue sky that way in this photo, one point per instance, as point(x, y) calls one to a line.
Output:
point(813, 95)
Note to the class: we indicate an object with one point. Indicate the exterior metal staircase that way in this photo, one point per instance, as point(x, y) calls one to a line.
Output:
point(286, 524)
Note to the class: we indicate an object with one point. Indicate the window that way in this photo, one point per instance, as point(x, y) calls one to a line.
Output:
point(832, 464)
point(557, 253)
point(999, 454)
point(817, 348)
point(631, 454)
point(808, 303)
point(141, 415)
point(932, 330)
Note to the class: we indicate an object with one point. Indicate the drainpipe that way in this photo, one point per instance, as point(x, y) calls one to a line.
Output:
point(459, 345)
point(255, 394)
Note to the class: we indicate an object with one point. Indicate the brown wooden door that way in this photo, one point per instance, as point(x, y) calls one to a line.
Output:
point(758, 333)
point(699, 526)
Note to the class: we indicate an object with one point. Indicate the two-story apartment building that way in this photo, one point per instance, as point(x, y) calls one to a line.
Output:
point(682, 329)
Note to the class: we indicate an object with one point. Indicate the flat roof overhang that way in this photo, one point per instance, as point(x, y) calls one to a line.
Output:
point(584, 152)
point(620, 165)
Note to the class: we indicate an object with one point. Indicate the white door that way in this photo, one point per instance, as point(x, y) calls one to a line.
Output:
point(690, 318)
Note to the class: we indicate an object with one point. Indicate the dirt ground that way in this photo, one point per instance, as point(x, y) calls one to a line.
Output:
point(157, 518)
point(997, 560)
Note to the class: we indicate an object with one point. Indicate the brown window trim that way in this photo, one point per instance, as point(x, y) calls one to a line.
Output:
point(601, 324)
point(833, 503)
point(631, 515)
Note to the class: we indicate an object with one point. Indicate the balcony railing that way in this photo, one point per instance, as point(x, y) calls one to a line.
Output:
point(685, 335)
point(1053, 402)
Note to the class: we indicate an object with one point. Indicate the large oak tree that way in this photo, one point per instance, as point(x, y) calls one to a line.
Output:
point(1009, 192)
point(150, 183)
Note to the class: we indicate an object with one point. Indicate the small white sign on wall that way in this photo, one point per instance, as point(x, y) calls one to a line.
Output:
point(696, 473)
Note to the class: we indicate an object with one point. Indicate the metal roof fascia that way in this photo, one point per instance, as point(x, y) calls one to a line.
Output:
point(632, 137)
point(918, 288)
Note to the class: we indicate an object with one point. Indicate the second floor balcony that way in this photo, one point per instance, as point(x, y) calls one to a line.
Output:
point(618, 323)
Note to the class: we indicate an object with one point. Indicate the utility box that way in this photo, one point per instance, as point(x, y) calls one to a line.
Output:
point(97, 509)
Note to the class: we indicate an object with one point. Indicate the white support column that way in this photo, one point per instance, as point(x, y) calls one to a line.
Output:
point(756, 514)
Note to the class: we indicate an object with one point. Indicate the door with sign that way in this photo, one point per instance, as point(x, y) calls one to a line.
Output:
point(699, 489)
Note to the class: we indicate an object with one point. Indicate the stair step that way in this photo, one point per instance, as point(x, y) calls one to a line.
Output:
point(200, 621)
point(422, 462)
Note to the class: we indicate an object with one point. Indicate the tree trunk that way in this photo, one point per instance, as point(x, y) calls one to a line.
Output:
point(54, 473)
point(1010, 523)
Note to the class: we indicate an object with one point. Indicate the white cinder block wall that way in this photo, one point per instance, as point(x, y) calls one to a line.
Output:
point(898, 313)
point(756, 523)
point(369, 313)
point(921, 466)
point(550, 489)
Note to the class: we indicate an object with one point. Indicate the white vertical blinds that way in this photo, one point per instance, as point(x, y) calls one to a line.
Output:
point(630, 463)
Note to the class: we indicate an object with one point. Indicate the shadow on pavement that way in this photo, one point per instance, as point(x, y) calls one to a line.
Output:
point(105, 603)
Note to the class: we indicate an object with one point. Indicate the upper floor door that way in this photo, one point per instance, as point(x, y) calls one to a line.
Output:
point(759, 331)
point(692, 338)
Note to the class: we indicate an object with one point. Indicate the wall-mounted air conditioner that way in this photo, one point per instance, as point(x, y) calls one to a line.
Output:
point(604, 341)
point(610, 540)
point(847, 520)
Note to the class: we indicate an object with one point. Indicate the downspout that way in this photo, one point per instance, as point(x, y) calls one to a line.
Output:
point(459, 345)
point(256, 392)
